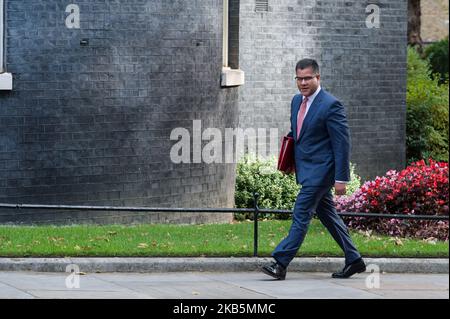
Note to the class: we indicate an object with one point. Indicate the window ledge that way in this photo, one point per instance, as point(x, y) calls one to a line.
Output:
point(232, 77)
point(6, 81)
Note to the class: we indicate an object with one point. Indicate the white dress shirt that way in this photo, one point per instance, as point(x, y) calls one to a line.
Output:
point(311, 99)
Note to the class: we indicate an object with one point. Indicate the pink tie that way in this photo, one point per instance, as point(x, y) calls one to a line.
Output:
point(301, 116)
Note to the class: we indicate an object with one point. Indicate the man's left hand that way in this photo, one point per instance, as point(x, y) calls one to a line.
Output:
point(340, 189)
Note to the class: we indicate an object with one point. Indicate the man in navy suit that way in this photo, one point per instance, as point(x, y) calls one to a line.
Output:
point(322, 161)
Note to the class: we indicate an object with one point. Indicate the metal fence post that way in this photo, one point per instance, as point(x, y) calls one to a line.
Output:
point(255, 229)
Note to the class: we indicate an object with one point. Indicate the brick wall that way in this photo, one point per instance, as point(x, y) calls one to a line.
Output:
point(434, 20)
point(90, 125)
point(365, 68)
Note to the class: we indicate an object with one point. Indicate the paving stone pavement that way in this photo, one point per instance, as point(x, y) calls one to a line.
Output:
point(214, 285)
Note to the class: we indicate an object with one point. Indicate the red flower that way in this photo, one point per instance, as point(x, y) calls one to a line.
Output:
point(418, 189)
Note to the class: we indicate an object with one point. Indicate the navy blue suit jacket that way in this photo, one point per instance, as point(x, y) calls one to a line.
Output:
point(322, 152)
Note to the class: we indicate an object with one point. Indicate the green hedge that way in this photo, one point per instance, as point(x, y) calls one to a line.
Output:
point(276, 190)
point(437, 55)
point(427, 112)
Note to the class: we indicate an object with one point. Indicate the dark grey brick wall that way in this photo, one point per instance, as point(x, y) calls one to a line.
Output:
point(365, 68)
point(91, 124)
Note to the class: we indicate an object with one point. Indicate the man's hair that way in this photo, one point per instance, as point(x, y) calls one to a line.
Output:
point(306, 63)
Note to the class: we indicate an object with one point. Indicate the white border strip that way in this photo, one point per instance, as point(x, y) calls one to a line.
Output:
point(213, 264)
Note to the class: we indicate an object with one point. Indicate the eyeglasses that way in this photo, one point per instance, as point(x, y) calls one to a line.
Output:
point(306, 78)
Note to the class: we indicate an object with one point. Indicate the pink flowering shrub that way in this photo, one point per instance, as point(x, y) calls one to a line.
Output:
point(420, 189)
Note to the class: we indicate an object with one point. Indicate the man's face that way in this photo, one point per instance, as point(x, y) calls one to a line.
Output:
point(307, 81)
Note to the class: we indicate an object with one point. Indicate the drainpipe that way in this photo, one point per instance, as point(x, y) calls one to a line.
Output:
point(226, 9)
point(229, 77)
point(1, 35)
point(5, 78)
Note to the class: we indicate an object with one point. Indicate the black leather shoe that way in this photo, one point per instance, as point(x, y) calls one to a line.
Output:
point(275, 270)
point(357, 266)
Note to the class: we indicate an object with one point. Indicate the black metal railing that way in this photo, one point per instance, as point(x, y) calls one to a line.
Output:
point(255, 210)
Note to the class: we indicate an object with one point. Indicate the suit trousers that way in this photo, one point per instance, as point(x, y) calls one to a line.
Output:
point(312, 199)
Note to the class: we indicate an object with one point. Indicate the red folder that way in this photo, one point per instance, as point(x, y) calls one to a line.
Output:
point(286, 162)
